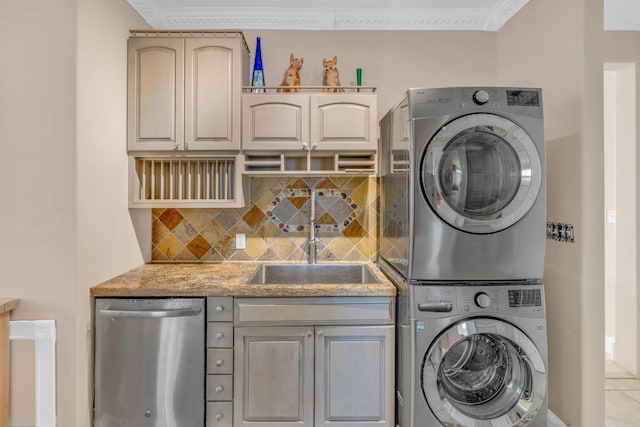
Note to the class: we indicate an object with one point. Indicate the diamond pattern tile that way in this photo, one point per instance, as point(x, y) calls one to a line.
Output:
point(276, 223)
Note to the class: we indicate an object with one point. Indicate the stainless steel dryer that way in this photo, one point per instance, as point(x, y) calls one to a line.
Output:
point(473, 356)
point(463, 184)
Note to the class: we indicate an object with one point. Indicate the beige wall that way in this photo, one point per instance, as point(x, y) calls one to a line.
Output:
point(37, 219)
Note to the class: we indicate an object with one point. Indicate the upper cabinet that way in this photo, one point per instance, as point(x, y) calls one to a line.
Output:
point(310, 121)
point(184, 92)
point(310, 132)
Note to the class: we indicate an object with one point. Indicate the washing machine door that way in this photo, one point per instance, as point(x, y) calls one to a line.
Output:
point(484, 372)
point(481, 173)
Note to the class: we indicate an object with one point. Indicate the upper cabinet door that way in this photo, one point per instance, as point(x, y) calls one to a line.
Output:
point(344, 122)
point(275, 122)
point(212, 93)
point(155, 94)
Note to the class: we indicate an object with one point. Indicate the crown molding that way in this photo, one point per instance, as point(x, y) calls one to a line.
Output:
point(342, 18)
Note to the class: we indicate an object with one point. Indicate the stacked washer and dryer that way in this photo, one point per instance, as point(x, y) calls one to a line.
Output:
point(463, 234)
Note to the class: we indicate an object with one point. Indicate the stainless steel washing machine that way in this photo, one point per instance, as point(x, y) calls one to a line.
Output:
point(472, 356)
point(463, 184)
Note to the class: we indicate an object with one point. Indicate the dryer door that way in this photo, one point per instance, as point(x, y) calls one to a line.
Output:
point(481, 173)
point(484, 372)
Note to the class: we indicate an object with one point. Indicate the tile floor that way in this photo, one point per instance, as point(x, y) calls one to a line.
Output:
point(622, 397)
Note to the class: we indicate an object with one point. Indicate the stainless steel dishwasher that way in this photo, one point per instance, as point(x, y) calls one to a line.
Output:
point(149, 362)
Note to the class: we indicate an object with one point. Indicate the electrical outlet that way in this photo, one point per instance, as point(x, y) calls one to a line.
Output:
point(560, 232)
point(240, 241)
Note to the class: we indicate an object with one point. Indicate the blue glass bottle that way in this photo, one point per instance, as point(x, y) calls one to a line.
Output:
point(258, 73)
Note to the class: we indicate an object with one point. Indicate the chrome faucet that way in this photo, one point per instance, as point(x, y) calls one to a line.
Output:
point(313, 240)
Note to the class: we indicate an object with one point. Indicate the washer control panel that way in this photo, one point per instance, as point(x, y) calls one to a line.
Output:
point(434, 301)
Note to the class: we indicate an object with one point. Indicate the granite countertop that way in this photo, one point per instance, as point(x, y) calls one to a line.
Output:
point(223, 279)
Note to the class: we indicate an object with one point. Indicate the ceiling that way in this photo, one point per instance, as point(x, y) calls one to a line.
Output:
point(482, 15)
point(476, 15)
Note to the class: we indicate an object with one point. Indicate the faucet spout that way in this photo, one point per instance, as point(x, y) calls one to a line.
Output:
point(313, 240)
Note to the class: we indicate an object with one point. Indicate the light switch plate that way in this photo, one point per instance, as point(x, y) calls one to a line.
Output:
point(240, 241)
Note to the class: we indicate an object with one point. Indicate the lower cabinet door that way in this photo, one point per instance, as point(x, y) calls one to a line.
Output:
point(354, 378)
point(273, 379)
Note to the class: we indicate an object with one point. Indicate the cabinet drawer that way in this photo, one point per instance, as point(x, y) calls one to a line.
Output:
point(220, 334)
point(219, 414)
point(219, 387)
point(313, 311)
point(220, 309)
point(220, 361)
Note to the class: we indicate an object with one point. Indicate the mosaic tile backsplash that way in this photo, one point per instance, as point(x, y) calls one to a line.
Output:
point(276, 223)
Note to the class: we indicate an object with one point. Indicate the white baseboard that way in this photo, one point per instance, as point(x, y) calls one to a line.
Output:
point(554, 421)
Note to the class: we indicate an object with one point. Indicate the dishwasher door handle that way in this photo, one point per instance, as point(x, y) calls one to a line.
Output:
point(156, 314)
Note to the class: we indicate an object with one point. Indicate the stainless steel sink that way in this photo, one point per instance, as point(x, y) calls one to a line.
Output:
point(306, 274)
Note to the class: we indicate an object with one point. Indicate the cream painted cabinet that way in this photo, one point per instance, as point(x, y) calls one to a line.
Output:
point(275, 122)
point(310, 122)
point(344, 121)
point(184, 92)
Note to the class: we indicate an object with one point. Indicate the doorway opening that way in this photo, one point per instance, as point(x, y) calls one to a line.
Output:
point(622, 327)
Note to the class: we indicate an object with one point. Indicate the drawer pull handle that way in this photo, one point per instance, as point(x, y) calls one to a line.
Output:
point(219, 362)
point(219, 388)
point(219, 335)
point(219, 417)
point(219, 309)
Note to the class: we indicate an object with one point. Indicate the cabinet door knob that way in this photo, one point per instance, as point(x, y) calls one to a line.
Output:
point(219, 388)
point(320, 333)
point(314, 145)
point(305, 145)
point(219, 362)
point(219, 417)
point(219, 309)
point(177, 146)
point(309, 333)
point(219, 335)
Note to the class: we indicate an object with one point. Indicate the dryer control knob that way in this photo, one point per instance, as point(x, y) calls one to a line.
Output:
point(481, 97)
point(482, 300)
